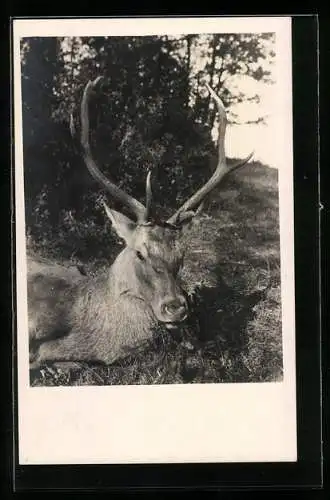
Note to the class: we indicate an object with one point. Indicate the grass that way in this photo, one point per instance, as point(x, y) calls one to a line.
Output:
point(232, 274)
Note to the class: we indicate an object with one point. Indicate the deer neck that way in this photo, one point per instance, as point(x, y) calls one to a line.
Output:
point(130, 315)
point(122, 275)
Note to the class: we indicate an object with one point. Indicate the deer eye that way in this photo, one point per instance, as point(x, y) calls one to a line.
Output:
point(139, 255)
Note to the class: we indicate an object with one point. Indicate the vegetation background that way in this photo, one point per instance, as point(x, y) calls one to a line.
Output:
point(154, 112)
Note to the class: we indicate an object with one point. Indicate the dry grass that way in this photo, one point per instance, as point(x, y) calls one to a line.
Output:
point(232, 273)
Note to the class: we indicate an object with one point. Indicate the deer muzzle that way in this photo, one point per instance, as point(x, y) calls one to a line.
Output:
point(174, 311)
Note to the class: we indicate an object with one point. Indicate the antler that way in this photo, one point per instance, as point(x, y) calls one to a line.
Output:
point(138, 209)
point(222, 169)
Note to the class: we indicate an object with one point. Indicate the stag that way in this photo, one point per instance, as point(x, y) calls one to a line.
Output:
point(74, 317)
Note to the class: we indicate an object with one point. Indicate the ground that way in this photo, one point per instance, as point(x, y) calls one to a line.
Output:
point(232, 273)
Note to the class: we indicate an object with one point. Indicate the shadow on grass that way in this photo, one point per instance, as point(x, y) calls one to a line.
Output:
point(222, 337)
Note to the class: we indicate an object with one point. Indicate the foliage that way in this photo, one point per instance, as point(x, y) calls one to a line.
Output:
point(151, 112)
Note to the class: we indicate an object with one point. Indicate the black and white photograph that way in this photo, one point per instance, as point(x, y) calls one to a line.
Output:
point(153, 178)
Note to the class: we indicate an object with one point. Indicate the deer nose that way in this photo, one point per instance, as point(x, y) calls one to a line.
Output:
point(175, 309)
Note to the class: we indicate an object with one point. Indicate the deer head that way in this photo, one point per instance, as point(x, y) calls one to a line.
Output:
point(148, 267)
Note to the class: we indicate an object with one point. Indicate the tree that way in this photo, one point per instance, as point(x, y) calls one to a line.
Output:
point(219, 57)
point(40, 69)
point(151, 111)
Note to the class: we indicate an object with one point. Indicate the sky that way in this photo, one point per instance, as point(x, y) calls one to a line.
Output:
point(242, 139)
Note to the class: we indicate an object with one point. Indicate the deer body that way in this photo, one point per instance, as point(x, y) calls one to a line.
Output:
point(73, 317)
point(86, 321)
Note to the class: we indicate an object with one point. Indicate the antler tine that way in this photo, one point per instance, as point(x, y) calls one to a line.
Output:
point(221, 170)
point(137, 208)
point(148, 196)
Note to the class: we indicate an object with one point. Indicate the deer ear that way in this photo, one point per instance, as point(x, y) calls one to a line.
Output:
point(123, 226)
